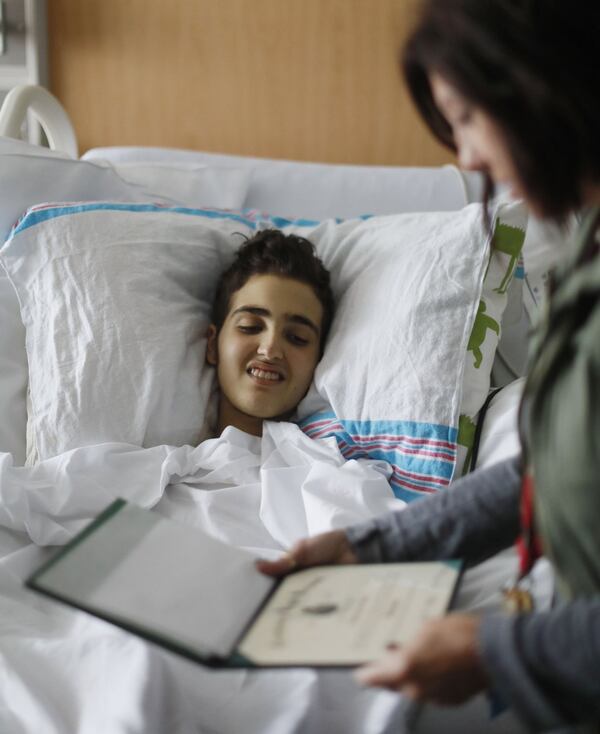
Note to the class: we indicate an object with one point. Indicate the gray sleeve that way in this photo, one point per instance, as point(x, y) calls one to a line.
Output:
point(547, 665)
point(476, 517)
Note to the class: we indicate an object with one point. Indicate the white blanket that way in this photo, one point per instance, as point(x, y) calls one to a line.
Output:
point(64, 672)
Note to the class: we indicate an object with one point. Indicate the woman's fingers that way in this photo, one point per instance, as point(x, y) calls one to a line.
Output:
point(279, 567)
point(441, 664)
point(327, 548)
point(387, 672)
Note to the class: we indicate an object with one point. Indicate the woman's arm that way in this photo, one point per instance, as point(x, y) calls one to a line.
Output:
point(546, 665)
point(473, 519)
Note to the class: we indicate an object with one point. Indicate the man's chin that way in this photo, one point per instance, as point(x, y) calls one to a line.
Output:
point(270, 415)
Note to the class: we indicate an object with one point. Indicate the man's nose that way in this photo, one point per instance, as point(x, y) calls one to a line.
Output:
point(270, 346)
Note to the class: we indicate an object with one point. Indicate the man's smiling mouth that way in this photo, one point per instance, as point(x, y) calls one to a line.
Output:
point(262, 374)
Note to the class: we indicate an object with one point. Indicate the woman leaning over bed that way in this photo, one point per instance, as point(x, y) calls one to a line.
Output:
point(512, 87)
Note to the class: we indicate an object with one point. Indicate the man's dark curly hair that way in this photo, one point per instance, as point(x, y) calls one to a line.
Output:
point(271, 252)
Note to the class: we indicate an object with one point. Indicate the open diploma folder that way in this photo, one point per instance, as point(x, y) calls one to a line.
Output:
point(181, 588)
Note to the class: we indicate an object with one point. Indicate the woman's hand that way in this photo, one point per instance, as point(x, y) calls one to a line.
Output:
point(327, 548)
point(442, 665)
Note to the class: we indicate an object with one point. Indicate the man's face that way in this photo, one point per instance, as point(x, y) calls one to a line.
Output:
point(267, 349)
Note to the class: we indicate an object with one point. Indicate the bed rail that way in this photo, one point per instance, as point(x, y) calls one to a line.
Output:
point(48, 112)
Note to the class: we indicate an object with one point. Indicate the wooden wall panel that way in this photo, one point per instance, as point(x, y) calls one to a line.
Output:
point(298, 79)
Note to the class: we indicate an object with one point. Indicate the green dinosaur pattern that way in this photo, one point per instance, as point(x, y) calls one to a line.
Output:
point(483, 322)
point(508, 240)
point(466, 438)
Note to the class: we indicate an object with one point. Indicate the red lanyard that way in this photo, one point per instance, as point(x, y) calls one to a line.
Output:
point(528, 544)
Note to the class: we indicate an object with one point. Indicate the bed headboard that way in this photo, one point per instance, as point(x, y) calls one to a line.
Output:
point(316, 80)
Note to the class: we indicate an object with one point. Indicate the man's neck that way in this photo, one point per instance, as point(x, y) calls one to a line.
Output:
point(230, 416)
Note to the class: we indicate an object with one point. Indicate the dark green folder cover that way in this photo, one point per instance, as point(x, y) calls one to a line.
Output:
point(76, 587)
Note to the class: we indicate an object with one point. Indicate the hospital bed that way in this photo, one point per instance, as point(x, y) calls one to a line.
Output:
point(416, 372)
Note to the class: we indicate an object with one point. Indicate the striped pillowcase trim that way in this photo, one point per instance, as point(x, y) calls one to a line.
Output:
point(422, 455)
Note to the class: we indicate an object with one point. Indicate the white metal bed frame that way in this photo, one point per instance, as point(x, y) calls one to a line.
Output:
point(46, 109)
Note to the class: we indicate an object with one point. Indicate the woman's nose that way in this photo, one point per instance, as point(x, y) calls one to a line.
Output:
point(469, 158)
point(270, 346)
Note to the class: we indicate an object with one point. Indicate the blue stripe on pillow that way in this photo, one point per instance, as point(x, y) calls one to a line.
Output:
point(249, 217)
point(281, 222)
point(45, 212)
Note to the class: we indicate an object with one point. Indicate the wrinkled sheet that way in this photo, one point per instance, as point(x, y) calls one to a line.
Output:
point(65, 672)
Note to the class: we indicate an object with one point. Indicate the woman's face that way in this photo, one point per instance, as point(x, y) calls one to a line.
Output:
point(480, 144)
point(266, 351)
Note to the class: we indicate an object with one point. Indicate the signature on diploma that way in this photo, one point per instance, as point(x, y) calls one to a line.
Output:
point(320, 609)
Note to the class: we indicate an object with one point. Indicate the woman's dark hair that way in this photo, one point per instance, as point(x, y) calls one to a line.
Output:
point(532, 66)
point(271, 252)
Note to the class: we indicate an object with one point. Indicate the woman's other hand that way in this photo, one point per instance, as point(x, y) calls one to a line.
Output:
point(442, 665)
point(327, 548)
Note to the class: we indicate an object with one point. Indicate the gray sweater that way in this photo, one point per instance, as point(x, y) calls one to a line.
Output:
point(546, 665)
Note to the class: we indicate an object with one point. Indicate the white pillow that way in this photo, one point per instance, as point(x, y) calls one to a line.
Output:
point(322, 190)
point(115, 299)
point(506, 247)
point(411, 353)
point(33, 175)
point(122, 296)
point(499, 433)
point(13, 374)
point(186, 184)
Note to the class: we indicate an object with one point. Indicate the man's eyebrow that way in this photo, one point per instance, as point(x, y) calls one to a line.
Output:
point(256, 310)
point(299, 319)
point(295, 318)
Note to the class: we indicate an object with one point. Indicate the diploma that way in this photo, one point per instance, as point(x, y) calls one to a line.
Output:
point(179, 587)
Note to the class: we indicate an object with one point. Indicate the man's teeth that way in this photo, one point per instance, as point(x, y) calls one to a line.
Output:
point(263, 375)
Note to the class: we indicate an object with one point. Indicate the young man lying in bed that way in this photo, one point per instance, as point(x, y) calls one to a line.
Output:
point(270, 483)
point(271, 316)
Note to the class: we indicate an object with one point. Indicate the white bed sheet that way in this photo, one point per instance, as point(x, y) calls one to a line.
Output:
point(64, 671)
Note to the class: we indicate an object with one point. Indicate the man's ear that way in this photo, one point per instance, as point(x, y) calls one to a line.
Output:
point(212, 351)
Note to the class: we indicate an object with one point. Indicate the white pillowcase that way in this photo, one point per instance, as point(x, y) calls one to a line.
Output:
point(322, 190)
point(13, 374)
point(509, 233)
point(32, 175)
point(422, 298)
point(115, 301)
point(122, 296)
point(499, 433)
point(188, 185)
